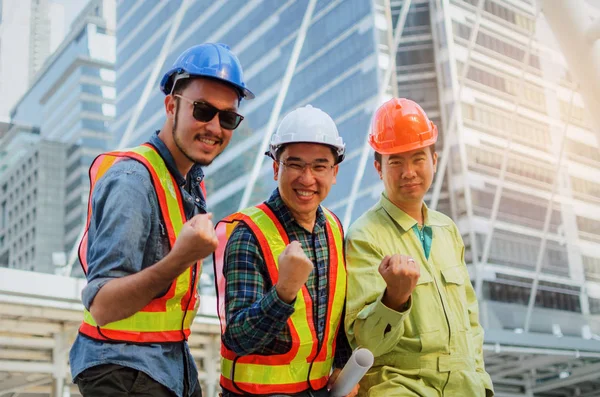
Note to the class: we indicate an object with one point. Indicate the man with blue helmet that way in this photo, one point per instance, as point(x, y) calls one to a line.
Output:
point(147, 232)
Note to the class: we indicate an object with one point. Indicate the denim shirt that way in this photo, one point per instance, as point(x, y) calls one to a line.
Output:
point(126, 235)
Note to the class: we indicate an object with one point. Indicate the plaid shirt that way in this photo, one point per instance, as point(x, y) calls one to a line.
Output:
point(256, 316)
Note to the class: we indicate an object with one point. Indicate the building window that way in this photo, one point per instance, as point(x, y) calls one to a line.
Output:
point(591, 268)
point(3, 215)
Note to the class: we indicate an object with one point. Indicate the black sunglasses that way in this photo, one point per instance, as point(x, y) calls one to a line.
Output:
point(205, 112)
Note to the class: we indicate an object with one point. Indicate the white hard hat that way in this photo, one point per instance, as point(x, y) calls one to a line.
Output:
point(310, 125)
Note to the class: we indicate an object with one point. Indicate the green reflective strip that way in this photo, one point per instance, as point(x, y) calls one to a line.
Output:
point(266, 374)
point(276, 245)
point(261, 374)
point(340, 285)
point(175, 216)
point(171, 320)
point(166, 180)
point(145, 321)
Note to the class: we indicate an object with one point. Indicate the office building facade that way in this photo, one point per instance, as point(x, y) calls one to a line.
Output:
point(71, 102)
point(32, 195)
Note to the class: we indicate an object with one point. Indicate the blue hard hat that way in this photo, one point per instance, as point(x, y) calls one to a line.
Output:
point(214, 61)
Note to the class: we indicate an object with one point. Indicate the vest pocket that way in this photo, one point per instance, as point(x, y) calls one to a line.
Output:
point(454, 275)
point(425, 277)
point(424, 303)
point(431, 342)
point(454, 282)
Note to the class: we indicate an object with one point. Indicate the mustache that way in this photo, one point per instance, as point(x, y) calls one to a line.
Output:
point(208, 136)
point(410, 183)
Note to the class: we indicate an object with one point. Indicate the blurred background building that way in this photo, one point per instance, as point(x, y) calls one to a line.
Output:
point(69, 106)
point(519, 149)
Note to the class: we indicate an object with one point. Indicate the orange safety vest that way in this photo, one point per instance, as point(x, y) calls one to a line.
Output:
point(169, 317)
point(307, 365)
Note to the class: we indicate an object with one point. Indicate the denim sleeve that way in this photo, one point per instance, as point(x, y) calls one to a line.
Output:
point(123, 207)
point(255, 313)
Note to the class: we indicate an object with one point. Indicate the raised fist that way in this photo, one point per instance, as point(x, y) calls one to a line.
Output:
point(197, 239)
point(400, 273)
point(294, 269)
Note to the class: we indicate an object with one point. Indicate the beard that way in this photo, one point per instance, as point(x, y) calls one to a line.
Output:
point(181, 146)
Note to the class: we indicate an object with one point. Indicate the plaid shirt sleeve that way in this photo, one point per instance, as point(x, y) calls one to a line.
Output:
point(255, 313)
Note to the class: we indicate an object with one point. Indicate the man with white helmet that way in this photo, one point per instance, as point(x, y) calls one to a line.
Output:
point(280, 271)
point(147, 231)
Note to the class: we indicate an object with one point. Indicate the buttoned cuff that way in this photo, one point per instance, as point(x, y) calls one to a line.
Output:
point(275, 308)
point(387, 320)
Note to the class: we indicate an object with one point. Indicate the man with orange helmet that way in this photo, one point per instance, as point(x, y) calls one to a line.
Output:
point(410, 299)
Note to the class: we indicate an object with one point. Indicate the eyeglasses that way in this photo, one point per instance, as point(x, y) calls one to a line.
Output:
point(298, 166)
point(205, 112)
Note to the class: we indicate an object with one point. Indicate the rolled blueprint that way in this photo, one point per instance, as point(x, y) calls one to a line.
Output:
point(356, 367)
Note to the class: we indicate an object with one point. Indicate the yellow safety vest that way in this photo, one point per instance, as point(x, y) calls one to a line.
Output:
point(307, 365)
point(164, 319)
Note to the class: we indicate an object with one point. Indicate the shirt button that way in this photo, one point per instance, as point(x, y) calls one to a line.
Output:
point(197, 200)
point(198, 179)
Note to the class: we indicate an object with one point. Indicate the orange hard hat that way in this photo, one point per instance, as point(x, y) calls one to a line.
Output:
point(401, 125)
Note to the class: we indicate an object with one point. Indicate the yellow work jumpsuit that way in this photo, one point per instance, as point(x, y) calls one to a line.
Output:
point(434, 348)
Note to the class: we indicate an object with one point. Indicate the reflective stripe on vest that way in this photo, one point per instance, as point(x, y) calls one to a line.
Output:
point(306, 365)
point(164, 319)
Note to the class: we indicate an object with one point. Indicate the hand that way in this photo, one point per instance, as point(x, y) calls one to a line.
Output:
point(333, 378)
point(400, 273)
point(294, 269)
point(197, 239)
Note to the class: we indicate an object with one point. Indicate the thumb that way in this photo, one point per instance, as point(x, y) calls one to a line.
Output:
point(286, 249)
point(385, 262)
point(294, 245)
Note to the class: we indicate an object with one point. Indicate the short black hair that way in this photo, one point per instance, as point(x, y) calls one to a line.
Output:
point(377, 155)
point(282, 147)
point(181, 85)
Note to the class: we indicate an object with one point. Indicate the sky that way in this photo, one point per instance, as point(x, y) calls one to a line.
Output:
point(14, 71)
point(62, 14)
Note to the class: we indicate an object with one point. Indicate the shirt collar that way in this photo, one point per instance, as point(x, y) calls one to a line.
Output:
point(278, 206)
point(195, 173)
point(406, 221)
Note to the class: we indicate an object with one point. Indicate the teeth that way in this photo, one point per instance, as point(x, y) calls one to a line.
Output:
point(208, 141)
point(304, 193)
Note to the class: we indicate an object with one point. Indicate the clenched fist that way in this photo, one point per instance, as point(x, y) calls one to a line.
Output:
point(197, 239)
point(294, 269)
point(400, 273)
